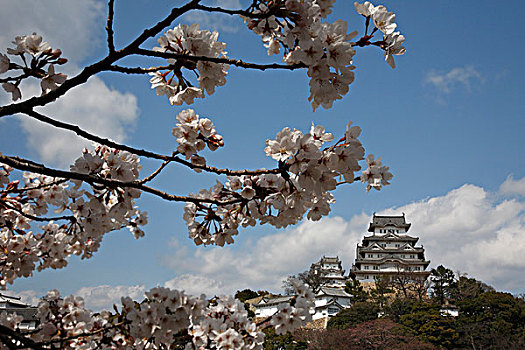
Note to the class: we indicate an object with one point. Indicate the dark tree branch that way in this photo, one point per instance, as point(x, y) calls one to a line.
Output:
point(11, 337)
point(23, 164)
point(140, 152)
point(140, 70)
point(233, 62)
point(245, 13)
point(109, 26)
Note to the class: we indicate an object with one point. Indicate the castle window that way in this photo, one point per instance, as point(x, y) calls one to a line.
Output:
point(376, 267)
point(366, 267)
point(332, 311)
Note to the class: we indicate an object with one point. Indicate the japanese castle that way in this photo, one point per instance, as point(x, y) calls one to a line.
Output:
point(388, 251)
point(330, 272)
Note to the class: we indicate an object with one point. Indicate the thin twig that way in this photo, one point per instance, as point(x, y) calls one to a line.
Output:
point(156, 172)
point(357, 178)
point(37, 218)
point(233, 62)
point(25, 189)
point(109, 26)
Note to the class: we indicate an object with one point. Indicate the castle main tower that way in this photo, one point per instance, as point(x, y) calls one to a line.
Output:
point(389, 251)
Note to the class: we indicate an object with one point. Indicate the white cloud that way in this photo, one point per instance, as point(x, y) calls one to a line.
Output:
point(513, 187)
point(264, 264)
point(74, 26)
point(104, 296)
point(468, 229)
point(77, 28)
point(446, 82)
point(94, 107)
point(216, 21)
point(196, 285)
point(471, 230)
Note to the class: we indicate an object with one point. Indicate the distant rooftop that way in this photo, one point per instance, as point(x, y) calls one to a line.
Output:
point(388, 220)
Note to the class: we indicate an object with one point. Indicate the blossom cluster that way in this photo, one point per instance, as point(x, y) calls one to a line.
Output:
point(41, 55)
point(189, 40)
point(164, 318)
point(306, 174)
point(384, 21)
point(94, 211)
point(225, 325)
point(323, 47)
point(298, 313)
point(194, 134)
point(296, 26)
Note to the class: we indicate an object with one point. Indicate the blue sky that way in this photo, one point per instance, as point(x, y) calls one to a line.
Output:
point(448, 121)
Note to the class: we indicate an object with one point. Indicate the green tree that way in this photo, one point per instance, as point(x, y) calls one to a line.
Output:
point(286, 341)
point(492, 320)
point(360, 312)
point(468, 288)
point(382, 287)
point(246, 294)
point(399, 307)
point(354, 287)
point(443, 282)
point(429, 325)
point(308, 277)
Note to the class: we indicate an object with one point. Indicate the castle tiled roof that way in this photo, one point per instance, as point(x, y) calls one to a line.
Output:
point(330, 260)
point(388, 220)
point(333, 292)
point(274, 300)
point(10, 301)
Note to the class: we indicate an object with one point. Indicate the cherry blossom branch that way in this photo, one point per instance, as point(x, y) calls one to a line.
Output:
point(109, 26)
point(85, 334)
point(245, 13)
point(25, 189)
point(140, 152)
point(37, 218)
point(27, 165)
point(8, 335)
point(140, 70)
point(357, 178)
point(20, 77)
point(97, 67)
point(156, 172)
point(230, 61)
